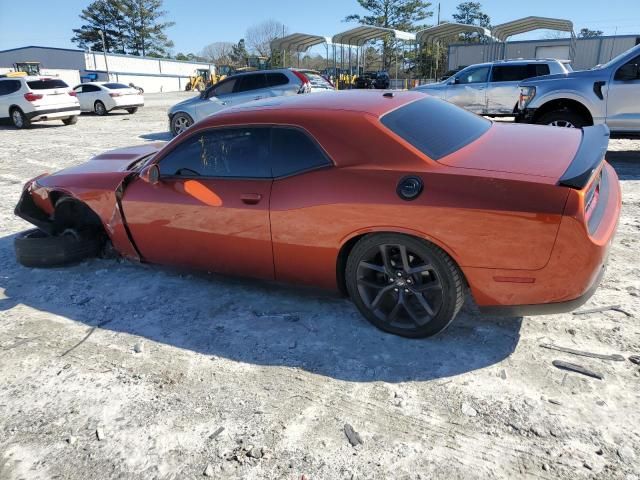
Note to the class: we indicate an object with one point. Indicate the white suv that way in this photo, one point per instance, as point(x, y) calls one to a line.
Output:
point(32, 99)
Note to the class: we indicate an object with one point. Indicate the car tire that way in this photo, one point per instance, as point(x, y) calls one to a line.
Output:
point(132, 110)
point(35, 249)
point(99, 108)
point(19, 119)
point(180, 122)
point(562, 118)
point(385, 289)
point(71, 120)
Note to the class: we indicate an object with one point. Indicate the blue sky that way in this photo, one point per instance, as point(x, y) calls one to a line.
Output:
point(199, 22)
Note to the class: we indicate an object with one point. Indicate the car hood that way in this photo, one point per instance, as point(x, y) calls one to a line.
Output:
point(579, 74)
point(520, 150)
point(185, 103)
point(113, 164)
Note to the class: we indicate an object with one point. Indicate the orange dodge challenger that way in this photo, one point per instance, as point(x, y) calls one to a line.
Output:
point(399, 200)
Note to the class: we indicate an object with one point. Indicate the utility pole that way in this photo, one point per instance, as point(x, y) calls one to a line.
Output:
point(104, 51)
point(437, 45)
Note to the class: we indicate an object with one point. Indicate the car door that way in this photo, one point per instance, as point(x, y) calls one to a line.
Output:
point(503, 90)
point(623, 99)
point(216, 98)
point(88, 96)
point(210, 209)
point(251, 86)
point(8, 94)
point(468, 89)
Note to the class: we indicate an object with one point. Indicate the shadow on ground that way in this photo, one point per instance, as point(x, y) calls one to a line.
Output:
point(249, 321)
point(157, 136)
point(626, 163)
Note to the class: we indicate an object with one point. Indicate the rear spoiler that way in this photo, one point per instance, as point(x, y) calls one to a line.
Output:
point(595, 141)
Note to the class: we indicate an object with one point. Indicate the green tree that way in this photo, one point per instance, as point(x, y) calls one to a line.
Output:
point(101, 16)
point(470, 13)
point(145, 28)
point(405, 15)
point(239, 54)
point(586, 33)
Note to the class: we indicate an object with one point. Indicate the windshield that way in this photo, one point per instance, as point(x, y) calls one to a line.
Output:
point(616, 59)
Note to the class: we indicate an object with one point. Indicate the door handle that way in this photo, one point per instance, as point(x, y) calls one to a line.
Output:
point(251, 198)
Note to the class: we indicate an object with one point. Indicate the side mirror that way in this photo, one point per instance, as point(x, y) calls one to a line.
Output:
point(455, 81)
point(151, 174)
point(628, 72)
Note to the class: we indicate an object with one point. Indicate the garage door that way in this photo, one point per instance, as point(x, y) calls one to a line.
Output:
point(561, 52)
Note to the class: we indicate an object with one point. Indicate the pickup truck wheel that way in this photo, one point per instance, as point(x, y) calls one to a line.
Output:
point(563, 119)
point(36, 249)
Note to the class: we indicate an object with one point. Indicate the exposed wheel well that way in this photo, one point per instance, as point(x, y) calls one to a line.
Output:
point(70, 212)
point(343, 255)
point(564, 104)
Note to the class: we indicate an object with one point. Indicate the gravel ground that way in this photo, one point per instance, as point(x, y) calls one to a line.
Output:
point(114, 370)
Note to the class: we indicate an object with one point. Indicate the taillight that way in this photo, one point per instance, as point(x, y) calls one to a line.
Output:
point(32, 97)
point(306, 84)
point(72, 93)
point(115, 94)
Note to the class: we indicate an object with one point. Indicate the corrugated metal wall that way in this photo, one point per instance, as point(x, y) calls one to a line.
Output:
point(589, 51)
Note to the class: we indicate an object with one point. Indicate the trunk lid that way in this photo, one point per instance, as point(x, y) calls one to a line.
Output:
point(54, 92)
point(521, 150)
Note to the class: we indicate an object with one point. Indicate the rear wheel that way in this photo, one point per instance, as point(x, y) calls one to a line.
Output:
point(404, 285)
point(180, 122)
point(19, 119)
point(36, 249)
point(99, 108)
point(71, 120)
point(132, 110)
point(562, 118)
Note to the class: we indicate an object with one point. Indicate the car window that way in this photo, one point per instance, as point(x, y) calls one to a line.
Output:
point(435, 127)
point(223, 88)
point(276, 79)
point(9, 86)
point(232, 152)
point(540, 69)
point(46, 84)
point(316, 80)
point(115, 86)
point(293, 151)
point(513, 73)
point(251, 82)
point(473, 75)
point(634, 61)
point(90, 88)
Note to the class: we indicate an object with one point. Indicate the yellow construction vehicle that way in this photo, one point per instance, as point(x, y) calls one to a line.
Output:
point(30, 68)
point(201, 79)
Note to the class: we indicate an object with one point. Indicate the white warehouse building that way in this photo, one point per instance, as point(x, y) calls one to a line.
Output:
point(73, 66)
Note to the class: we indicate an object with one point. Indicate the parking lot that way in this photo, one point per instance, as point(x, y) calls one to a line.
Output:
point(115, 370)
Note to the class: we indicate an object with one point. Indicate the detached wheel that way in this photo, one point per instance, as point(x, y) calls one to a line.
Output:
point(36, 249)
point(99, 108)
point(563, 119)
point(132, 110)
point(180, 122)
point(404, 285)
point(71, 120)
point(19, 119)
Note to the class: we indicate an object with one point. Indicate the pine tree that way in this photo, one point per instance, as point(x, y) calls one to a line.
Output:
point(105, 16)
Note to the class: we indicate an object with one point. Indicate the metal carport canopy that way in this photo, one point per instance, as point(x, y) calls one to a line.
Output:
point(446, 30)
point(505, 30)
point(358, 36)
point(298, 42)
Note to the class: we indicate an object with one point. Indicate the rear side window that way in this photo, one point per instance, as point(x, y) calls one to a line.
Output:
point(115, 86)
point(293, 151)
point(276, 79)
point(46, 84)
point(515, 73)
point(435, 127)
point(251, 82)
point(317, 80)
point(9, 86)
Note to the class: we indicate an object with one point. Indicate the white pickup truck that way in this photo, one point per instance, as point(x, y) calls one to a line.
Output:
point(607, 94)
